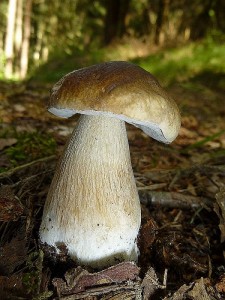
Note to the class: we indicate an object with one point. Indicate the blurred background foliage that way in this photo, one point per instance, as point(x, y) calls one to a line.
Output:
point(46, 39)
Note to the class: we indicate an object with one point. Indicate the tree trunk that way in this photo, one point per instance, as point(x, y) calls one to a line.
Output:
point(116, 11)
point(163, 8)
point(9, 52)
point(220, 14)
point(18, 35)
point(202, 22)
point(19, 25)
point(26, 39)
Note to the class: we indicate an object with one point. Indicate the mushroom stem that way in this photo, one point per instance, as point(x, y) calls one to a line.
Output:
point(93, 205)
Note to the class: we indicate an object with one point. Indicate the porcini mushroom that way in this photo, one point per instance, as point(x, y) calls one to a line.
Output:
point(93, 205)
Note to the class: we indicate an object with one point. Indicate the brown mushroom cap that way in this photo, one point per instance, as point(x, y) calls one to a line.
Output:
point(118, 89)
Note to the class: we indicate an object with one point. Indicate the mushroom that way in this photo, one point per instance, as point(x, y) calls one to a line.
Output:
point(93, 206)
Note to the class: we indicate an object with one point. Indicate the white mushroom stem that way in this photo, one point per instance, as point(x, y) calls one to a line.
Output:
point(93, 205)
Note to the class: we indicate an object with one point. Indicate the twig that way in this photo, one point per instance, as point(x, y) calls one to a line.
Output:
point(11, 172)
point(219, 169)
point(165, 278)
point(31, 178)
point(173, 200)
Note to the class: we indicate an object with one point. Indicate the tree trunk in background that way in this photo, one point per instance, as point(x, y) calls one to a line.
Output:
point(163, 8)
point(19, 24)
point(116, 11)
point(26, 39)
point(147, 26)
point(9, 52)
point(220, 14)
point(201, 23)
point(41, 50)
point(18, 34)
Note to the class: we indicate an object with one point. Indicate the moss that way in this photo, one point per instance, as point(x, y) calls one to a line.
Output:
point(30, 146)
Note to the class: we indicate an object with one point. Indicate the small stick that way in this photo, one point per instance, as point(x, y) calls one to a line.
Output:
point(173, 200)
point(11, 172)
point(165, 278)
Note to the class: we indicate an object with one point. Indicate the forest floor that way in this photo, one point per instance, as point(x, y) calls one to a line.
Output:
point(182, 191)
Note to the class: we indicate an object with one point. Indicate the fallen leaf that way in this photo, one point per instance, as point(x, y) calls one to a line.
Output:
point(10, 206)
point(13, 254)
point(11, 286)
point(7, 142)
point(179, 294)
point(220, 286)
point(200, 290)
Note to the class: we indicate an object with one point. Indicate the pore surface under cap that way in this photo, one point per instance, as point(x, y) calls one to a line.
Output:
point(118, 89)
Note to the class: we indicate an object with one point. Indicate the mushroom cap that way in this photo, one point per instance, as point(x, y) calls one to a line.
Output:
point(118, 89)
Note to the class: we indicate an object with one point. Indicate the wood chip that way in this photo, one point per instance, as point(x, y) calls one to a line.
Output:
point(200, 290)
point(173, 200)
point(150, 284)
point(117, 279)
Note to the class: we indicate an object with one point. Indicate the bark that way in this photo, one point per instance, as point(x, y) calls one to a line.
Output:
point(9, 52)
point(26, 39)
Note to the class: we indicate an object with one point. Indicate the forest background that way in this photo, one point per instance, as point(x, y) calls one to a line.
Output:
point(34, 32)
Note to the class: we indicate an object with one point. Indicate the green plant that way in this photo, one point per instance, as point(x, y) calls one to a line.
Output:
point(183, 63)
point(203, 141)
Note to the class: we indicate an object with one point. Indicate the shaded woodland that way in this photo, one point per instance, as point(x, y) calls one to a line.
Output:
point(34, 31)
point(181, 185)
